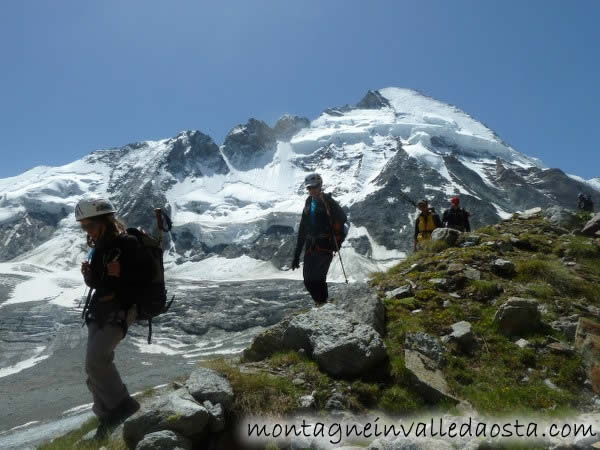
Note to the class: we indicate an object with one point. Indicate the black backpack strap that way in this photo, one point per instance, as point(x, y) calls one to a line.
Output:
point(150, 331)
point(86, 306)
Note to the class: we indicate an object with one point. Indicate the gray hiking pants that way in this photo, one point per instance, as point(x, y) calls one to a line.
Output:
point(103, 379)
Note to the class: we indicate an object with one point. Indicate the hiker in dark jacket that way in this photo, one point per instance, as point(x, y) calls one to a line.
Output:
point(427, 221)
point(114, 271)
point(316, 237)
point(456, 217)
point(585, 203)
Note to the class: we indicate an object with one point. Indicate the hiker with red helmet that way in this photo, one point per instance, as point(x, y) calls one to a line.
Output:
point(456, 217)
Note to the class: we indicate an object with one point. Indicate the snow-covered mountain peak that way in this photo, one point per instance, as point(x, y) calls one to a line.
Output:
point(238, 203)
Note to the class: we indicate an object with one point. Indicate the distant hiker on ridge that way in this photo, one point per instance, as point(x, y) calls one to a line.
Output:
point(456, 217)
point(427, 221)
point(113, 270)
point(585, 203)
point(322, 219)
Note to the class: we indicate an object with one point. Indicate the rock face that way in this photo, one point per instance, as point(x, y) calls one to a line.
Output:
point(592, 226)
point(517, 316)
point(448, 235)
point(587, 342)
point(251, 145)
point(287, 126)
point(335, 339)
point(164, 440)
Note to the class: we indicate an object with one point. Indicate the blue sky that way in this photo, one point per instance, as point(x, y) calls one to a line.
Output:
point(82, 75)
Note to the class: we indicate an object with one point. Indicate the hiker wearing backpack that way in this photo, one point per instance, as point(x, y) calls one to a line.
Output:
point(323, 220)
point(456, 217)
point(585, 203)
point(427, 221)
point(114, 270)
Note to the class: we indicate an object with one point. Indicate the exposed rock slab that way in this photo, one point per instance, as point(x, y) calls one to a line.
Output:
point(517, 316)
point(206, 384)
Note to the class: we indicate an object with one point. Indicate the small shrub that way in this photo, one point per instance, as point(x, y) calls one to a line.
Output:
point(580, 247)
point(484, 289)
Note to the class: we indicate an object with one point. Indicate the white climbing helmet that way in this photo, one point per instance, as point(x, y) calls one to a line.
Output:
point(92, 208)
point(313, 180)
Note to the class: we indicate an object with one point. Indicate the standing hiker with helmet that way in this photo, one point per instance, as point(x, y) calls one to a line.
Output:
point(456, 217)
point(323, 228)
point(427, 221)
point(114, 270)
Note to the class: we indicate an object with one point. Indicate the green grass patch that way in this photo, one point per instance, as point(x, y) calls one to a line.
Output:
point(398, 400)
point(580, 247)
point(484, 289)
point(69, 440)
point(258, 393)
point(540, 290)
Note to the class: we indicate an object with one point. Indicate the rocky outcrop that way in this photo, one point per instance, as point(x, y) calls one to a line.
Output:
point(287, 126)
point(205, 384)
point(251, 145)
point(592, 226)
point(562, 217)
point(184, 417)
point(342, 337)
point(448, 235)
point(517, 316)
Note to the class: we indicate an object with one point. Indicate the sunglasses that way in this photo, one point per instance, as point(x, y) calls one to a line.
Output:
point(310, 188)
point(89, 226)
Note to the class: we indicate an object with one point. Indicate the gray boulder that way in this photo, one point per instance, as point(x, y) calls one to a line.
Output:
point(567, 325)
point(462, 334)
point(426, 345)
point(362, 302)
point(427, 378)
point(472, 274)
point(206, 384)
point(271, 341)
point(342, 346)
point(448, 235)
point(518, 315)
point(503, 267)
point(177, 411)
point(561, 217)
point(401, 292)
point(217, 416)
point(164, 440)
point(592, 226)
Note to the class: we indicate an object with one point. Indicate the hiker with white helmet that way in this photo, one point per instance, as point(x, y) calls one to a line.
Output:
point(323, 228)
point(114, 271)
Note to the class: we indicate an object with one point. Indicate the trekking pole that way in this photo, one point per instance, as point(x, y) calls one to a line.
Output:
point(159, 224)
point(337, 249)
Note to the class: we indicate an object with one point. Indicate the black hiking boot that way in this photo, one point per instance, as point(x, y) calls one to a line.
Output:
point(126, 408)
point(120, 414)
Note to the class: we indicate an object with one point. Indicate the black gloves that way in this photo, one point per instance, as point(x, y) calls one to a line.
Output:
point(296, 262)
